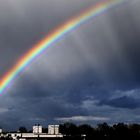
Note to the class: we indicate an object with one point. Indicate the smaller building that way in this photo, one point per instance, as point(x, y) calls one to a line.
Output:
point(37, 129)
point(0, 130)
point(53, 129)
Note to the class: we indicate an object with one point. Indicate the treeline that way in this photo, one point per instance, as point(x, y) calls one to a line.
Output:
point(102, 131)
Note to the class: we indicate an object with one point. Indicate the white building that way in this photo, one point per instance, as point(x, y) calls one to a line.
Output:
point(53, 132)
point(37, 129)
point(53, 129)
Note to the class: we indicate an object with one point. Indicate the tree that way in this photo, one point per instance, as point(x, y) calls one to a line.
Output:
point(87, 132)
point(85, 129)
point(121, 130)
point(134, 131)
point(45, 130)
point(68, 129)
point(104, 130)
point(22, 129)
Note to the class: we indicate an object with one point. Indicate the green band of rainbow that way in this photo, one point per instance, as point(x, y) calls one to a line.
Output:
point(53, 37)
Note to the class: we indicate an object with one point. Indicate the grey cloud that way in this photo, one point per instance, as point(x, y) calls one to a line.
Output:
point(23, 23)
point(122, 102)
point(93, 71)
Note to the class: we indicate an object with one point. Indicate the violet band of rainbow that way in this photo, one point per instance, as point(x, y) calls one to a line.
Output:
point(52, 38)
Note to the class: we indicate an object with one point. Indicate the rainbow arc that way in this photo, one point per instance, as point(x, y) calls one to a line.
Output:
point(52, 38)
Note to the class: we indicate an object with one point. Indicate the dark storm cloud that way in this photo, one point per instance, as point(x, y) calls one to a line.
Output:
point(122, 102)
point(22, 24)
point(128, 34)
point(93, 71)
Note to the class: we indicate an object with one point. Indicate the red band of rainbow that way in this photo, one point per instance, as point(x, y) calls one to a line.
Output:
point(51, 38)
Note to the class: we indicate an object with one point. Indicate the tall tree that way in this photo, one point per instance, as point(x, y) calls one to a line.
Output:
point(22, 129)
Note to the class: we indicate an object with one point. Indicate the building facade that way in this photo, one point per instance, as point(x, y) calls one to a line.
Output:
point(37, 134)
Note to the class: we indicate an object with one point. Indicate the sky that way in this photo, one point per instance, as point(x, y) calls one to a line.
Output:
point(89, 76)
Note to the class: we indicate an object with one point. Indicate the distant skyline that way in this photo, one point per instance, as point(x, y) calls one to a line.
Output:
point(90, 76)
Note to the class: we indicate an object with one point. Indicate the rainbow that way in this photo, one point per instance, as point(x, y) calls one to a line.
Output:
point(53, 37)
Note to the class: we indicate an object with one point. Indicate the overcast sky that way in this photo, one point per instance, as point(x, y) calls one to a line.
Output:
point(89, 76)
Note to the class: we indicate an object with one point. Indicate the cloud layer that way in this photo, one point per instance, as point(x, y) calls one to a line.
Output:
point(91, 75)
